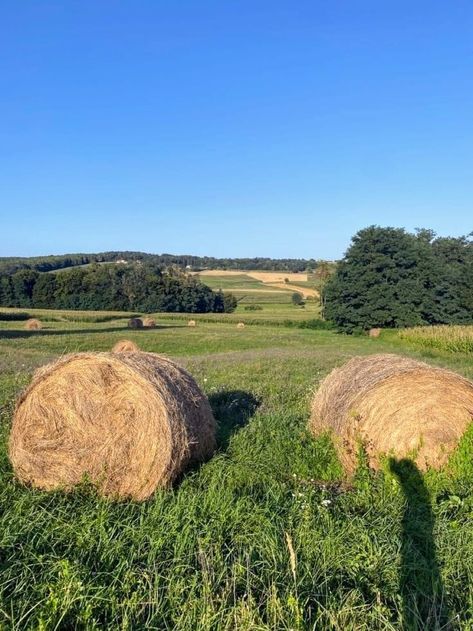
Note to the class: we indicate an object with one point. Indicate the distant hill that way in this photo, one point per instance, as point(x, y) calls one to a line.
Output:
point(49, 263)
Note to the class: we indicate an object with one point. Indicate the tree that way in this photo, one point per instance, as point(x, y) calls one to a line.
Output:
point(323, 272)
point(23, 283)
point(297, 298)
point(6, 292)
point(384, 280)
point(229, 303)
point(44, 291)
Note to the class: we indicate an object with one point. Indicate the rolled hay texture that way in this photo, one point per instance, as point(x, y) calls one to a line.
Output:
point(241, 325)
point(135, 323)
point(191, 323)
point(33, 325)
point(374, 332)
point(149, 323)
point(125, 346)
point(128, 422)
point(393, 405)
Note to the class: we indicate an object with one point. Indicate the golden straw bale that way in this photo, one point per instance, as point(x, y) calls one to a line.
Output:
point(393, 405)
point(241, 325)
point(128, 422)
point(149, 323)
point(135, 323)
point(191, 323)
point(125, 346)
point(374, 332)
point(33, 325)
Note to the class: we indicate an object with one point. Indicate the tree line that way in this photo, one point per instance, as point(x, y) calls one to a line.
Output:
point(392, 278)
point(136, 287)
point(10, 265)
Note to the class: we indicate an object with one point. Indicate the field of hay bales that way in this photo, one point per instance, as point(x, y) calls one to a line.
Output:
point(266, 534)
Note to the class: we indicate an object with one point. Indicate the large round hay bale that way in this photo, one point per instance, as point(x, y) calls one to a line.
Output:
point(374, 332)
point(128, 422)
point(135, 323)
point(191, 323)
point(125, 346)
point(241, 325)
point(149, 323)
point(32, 324)
point(393, 405)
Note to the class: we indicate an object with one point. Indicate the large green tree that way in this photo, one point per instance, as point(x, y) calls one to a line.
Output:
point(392, 278)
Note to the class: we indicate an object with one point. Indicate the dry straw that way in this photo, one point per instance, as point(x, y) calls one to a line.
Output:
point(374, 332)
point(33, 325)
point(135, 323)
point(191, 323)
point(125, 346)
point(393, 405)
point(149, 323)
point(241, 325)
point(129, 422)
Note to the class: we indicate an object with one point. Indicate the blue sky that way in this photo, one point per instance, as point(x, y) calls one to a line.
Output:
point(248, 128)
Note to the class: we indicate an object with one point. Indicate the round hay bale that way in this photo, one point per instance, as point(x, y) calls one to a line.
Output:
point(241, 325)
point(33, 325)
point(191, 323)
point(135, 323)
point(393, 405)
point(125, 346)
point(149, 323)
point(374, 332)
point(129, 422)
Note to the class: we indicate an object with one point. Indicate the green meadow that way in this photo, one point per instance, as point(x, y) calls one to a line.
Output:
point(268, 534)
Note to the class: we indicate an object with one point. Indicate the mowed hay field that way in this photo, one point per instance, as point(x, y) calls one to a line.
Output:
point(265, 535)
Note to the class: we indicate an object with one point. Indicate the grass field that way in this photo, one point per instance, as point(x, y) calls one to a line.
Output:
point(265, 535)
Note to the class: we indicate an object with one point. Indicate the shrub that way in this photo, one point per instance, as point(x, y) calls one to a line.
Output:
point(253, 308)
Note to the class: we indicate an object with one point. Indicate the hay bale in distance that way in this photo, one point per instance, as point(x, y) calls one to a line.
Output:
point(125, 346)
point(135, 323)
point(191, 323)
point(241, 325)
point(374, 332)
point(32, 324)
point(394, 405)
point(130, 422)
point(149, 323)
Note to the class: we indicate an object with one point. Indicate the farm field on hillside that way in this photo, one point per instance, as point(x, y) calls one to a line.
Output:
point(282, 281)
point(266, 534)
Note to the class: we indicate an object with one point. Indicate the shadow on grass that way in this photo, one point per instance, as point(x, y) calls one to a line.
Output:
point(421, 585)
point(232, 409)
point(8, 334)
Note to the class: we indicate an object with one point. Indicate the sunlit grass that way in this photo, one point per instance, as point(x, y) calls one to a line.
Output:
point(447, 337)
point(251, 540)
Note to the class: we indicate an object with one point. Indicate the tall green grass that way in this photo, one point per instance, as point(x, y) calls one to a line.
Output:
point(445, 337)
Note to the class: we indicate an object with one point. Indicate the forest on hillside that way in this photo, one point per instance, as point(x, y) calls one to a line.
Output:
point(9, 265)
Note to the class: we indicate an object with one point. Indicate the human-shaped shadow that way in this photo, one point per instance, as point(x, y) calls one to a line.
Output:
point(232, 409)
point(420, 582)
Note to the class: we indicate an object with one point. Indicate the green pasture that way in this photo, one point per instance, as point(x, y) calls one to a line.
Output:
point(268, 534)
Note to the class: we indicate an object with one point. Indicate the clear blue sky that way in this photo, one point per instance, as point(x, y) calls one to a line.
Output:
point(245, 128)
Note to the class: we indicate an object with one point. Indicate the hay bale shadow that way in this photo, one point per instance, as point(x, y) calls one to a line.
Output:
point(232, 409)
